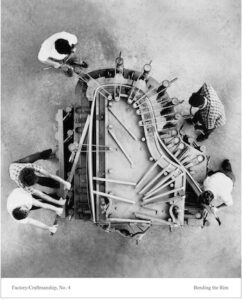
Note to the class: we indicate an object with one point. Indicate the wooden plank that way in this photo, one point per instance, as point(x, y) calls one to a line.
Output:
point(121, 147)
point(148, 200)
point(119, 220)
point(114, 197)
point(153, 220)
point(81, 141)
point(114, 181)
point(147, 173)
point(61, 153)
point(123, 125)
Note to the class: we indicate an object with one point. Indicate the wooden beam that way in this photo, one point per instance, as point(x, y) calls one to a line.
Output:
point(161, 182)
point(119, 220)
point(161, 187)
point(113, 181)
point(147, 173)
point(113, 197)
point(148, 200)
point(153, 220)
point(84, 132)
point(154, 179)
point(163, 200)
point(121, 147)
point(122, 124)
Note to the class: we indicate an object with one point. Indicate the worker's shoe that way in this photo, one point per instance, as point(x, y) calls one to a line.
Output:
point(46, 154)
point(83, 64)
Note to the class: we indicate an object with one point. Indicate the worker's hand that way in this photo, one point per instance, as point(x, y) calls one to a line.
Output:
point(64, 67)
point(53, 229)
point(198, 127)
point(214, 209)
point(67, 186)
point(59, 211)
point(62, 201)
point(57, 65)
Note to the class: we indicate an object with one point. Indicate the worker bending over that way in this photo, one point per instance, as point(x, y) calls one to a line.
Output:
point(211, 111)
point(59, 49)
point(27, 175)
point(20, 203)
point(218, 187)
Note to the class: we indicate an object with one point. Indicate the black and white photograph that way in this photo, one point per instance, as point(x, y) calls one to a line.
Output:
point(121, 144)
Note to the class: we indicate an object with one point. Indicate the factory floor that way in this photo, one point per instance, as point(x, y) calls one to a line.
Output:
point(196, 41)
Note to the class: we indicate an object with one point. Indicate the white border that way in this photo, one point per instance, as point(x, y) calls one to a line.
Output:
point(120, 288)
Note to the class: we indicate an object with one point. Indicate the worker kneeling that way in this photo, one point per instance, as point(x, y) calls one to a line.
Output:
point(210, 114)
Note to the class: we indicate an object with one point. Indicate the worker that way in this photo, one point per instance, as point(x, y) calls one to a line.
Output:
point(27, 175)
point(58, 49)
point(218, 187)
point(210, 114)
point(20, 203)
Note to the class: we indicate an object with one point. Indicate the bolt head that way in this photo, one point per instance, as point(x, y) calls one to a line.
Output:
point(68, 109)
point(165, 83)
point(78, 130)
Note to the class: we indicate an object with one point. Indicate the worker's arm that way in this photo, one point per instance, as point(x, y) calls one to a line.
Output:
point(57, 178)
point(48, 198)
point(196, 117)
point(53, 63)
point(221, 205)
point(41, 225)
point(214, 210)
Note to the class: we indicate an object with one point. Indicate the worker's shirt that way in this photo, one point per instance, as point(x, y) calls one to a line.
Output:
point(48, 49)
point(19, 198)
point(221, 186)
point(213, 114)
point(16, 168)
